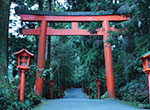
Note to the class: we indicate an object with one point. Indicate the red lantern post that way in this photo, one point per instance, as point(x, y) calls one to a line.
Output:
point(89, 92)
point(51, 83)
point(23, 66)
point(67, 86)
point(75, 86)
point(146, 67)
point(62, 92)
point(98, 82)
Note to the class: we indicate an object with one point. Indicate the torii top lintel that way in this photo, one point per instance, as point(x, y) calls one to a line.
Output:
point(27, 15)
point(74, 17)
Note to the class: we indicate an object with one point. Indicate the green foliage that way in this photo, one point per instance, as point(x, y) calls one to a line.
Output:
point(9, 100)
point(105, 95)
point(94, 89)
point(136, 93)
point(127, 46)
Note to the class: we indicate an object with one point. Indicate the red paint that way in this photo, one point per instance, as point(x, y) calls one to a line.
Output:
point(24, 57)
point(22, 85)
point(25, 17)
point(75, 86)
point(41, 58)
point(108, 62)
point(51, 83)
point(62, 92)
point(23, 50)
point(19, 87)
point(149, 85)
point(146, 67)
point(67, 86)
point(51, 92)
point(75, 25)
point(145, 62)
point(73, 32)
point(99, 96)
point(89, 92)
point(98, 83)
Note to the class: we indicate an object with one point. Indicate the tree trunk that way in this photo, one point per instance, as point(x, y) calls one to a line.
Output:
point(129, 45)
point(49, 42)
point(48, 61)
point(4, 21)
point(40, 5)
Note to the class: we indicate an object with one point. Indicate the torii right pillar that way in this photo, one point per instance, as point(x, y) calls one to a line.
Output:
point(108, 62)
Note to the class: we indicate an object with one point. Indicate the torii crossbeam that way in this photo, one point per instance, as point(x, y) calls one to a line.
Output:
point(74, 17)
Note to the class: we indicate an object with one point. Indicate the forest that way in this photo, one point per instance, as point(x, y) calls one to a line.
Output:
point(75, 60)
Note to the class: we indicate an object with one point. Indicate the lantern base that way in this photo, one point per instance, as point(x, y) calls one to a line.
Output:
point(20, 68)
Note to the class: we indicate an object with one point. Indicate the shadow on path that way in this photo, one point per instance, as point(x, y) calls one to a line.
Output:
point(75, 99)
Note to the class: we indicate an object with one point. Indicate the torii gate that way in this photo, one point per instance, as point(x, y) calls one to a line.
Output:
point(74, 17)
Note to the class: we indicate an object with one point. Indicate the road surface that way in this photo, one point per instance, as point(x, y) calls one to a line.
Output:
point(75, 99)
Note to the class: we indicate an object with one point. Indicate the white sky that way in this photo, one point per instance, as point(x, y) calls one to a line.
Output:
point(16, 22)
point(61, 1)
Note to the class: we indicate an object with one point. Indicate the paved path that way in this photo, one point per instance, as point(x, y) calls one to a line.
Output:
point(75, 99)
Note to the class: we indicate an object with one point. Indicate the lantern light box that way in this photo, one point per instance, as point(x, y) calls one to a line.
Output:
point(145, 62)
point(146, 67)
point(98, 82)
point(24, 57)
point(51, 83)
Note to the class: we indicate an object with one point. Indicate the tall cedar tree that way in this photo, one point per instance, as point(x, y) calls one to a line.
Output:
point(4, 19)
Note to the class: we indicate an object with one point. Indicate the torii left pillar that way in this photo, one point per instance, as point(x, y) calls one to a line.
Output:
point(41, 58)
point(108, 61)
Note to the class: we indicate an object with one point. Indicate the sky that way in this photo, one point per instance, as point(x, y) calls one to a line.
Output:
point(15, 23)
point(61, 1)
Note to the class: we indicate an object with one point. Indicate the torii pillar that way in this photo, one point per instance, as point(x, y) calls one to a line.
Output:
point(108, 62)
point(41, 58)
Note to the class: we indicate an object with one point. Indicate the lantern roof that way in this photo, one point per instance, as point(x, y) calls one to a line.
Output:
point(98, 80)
point(52, 80)
point(24, 50)
point(147, 54)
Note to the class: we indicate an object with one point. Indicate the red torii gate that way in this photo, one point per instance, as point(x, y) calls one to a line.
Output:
point(74, 17)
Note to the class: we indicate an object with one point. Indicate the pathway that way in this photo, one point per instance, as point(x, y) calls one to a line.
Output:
point(75, 99)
